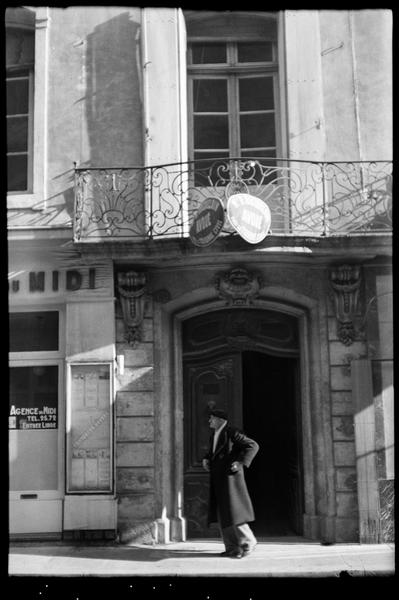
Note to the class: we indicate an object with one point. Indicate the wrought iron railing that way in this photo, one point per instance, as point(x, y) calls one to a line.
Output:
point(305, 198)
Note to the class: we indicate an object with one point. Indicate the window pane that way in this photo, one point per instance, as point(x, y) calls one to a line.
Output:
point(261, 156)
point(256, 93)
point(17, 134)
point(33, 331)
point(255, 52)
point(209, 53)
point(257, 131)
point(209, 157)
point(33, 424)
point(20, 47)
point(210, 95)
point(17, 173)
point(17, 96)
point(211, 131)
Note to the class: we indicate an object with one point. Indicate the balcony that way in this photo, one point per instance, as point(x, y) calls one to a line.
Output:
point(305, 198)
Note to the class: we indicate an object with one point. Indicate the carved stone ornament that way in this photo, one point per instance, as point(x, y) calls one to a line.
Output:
point(345, 281)
point(132, 296)
point(238, 287)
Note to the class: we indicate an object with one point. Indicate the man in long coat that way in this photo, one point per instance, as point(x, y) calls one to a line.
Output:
point(229, 503)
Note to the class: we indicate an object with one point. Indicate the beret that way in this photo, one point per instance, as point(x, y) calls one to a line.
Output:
point(218, 412)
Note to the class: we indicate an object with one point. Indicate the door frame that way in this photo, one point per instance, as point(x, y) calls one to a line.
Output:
point(317, 447)
point(237, 408)
point(307, 479)
point(320, 505)
point(50, 501)
point(25, 513)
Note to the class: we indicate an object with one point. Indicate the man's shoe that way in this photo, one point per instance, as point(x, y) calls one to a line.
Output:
point(247, 550)
point(225, 553)
point(236, 554)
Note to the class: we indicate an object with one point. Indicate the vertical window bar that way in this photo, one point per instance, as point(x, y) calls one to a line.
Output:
point(233, 115)
point(30, 133)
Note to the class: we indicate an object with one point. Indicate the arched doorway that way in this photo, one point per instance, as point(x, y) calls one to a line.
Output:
point(246, 361)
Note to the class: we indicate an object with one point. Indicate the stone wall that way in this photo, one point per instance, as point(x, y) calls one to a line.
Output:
point(140, 458)
point(342, 416)
point(382, 376)
point(373, 343)
point(135, 445)
point(343, 429)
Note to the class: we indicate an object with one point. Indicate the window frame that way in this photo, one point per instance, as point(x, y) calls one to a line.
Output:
point(29, 145)
point(36, 196)
point(232, 71)
point(46, 358)
point(42, 354)
point(112, 435)
point(60, 491)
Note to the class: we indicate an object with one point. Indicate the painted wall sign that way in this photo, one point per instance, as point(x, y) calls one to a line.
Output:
point(33, 398)
point(42, 281)
point(250, 216)
point(208, 222)
point(32, 417)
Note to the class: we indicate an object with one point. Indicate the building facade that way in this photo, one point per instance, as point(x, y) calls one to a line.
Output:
point(199, 215)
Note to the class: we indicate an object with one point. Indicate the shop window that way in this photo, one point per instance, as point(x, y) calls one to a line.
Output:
point(33, 425)
point(34, 331)
point(233, 89)
point(20, 57)
point(89, 429)
point(36, 423)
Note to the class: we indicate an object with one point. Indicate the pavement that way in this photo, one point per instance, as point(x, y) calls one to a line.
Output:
point(285, 557)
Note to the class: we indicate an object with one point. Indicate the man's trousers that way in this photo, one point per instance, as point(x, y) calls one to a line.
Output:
point(238, 537)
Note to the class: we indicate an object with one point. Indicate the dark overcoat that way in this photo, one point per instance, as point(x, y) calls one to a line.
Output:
point(228, 491)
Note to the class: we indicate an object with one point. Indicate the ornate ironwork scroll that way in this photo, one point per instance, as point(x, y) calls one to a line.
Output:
point(132, 296)
point(238, 286)
point(305, 198)
point(345, 282)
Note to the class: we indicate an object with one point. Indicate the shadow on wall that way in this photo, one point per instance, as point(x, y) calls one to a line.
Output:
point(56, 210)
point(114, 102)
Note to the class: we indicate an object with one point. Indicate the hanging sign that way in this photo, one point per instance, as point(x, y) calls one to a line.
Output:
point(250, 216)
point(208, 222)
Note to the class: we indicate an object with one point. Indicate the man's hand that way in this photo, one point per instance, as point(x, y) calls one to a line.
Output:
point(205, 464)
point(235, 466)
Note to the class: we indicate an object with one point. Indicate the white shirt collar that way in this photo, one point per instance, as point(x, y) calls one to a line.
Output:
point(216, 436)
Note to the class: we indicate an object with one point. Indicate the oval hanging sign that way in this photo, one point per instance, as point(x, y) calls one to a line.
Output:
point(208, 222)
point(250, 216)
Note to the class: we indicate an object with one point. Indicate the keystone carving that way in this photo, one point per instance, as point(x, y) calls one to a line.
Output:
point(238, 286)
point(345, 281)
point(132, 297)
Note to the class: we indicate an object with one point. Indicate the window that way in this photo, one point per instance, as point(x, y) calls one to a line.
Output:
point(233, 88)
point(33, 425)
point(20, 53)
point(35, 421)
point(34, 331)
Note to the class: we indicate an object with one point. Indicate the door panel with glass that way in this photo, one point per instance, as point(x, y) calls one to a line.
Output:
point(36, 424)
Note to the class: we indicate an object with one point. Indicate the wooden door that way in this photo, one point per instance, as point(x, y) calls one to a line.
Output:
point(36, 453)
point(208, 383)
point(295, 476)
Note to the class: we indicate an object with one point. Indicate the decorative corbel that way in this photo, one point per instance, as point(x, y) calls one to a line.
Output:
point(238, 286)
point(132, 297)
point(345, 281)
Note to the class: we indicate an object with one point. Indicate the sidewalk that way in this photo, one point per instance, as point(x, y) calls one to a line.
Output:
point(273, 557)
